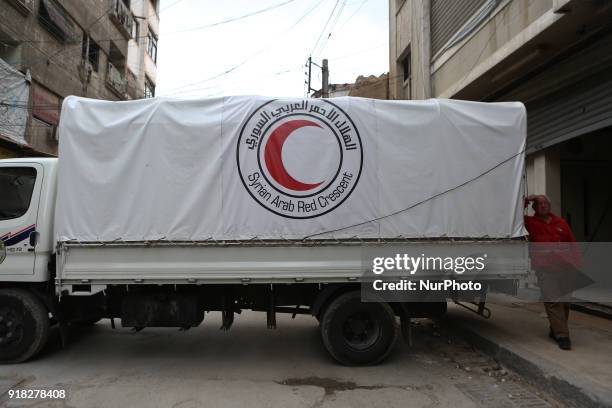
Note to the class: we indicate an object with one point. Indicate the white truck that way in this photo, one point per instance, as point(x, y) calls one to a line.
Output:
point(158, 211)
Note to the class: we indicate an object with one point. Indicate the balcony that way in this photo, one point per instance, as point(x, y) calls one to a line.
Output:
point(116, 81)
point(123, 18)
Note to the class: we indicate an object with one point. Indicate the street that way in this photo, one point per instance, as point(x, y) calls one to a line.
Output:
point(251, 366)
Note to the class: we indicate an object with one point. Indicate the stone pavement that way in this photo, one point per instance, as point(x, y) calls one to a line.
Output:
point(517, 337)
point(251, 366)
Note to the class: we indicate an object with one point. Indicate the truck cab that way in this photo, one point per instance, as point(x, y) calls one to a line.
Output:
point(26, 218)
point(27, 205)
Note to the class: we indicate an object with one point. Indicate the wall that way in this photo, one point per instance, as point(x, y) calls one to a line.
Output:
point(153, 25)
point(412, 19)
point(55, 64)
point(543, 171)
point(371, 87)
point(452, 69)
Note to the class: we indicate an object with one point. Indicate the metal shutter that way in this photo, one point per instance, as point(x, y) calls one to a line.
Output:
point(447, 17)
point(582, 106)
point(578, 109)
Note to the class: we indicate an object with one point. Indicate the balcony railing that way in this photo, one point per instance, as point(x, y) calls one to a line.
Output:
point(116, 80)
point(123, 18)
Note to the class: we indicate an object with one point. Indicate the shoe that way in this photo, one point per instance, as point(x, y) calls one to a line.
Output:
point(564, 343)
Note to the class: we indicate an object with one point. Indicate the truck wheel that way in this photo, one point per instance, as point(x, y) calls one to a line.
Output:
point(358, 333)
point(24, 325)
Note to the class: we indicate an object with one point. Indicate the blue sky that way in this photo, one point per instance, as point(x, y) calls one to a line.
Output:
point(266, 53)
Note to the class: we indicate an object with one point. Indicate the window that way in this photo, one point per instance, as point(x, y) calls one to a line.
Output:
point(41, 132)
point(135, 30)
point(17, 186)
point(116, 57)
point(149, 91)
point(406, 67)
point(91, 52)
point(56, 20)
point(115, 70)
point(152, 45)
point(10, 50)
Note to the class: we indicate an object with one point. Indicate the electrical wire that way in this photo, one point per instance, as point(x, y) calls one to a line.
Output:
point(324, 27)
point(178, 90)
point(233, 19)
point(421, 201)
point(391, 78)
point(54, 107)
point(331, 27)
point(353, 15)
point(210, 25)
point(228, 71)
point(170, 6)
point(49, 58)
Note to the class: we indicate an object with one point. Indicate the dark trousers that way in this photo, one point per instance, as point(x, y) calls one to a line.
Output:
point(556, 285)
point(558, 316)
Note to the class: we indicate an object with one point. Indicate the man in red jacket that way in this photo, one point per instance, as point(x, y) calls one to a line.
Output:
point(554, 264)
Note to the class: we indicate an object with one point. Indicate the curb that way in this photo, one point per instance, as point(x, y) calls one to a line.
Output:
point(545, 374)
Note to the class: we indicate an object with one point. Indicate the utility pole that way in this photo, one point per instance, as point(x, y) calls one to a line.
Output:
point(325, 79)
point(309, 75)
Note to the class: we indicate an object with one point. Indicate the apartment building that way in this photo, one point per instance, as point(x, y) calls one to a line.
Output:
point(555, 56)
point(49, 49)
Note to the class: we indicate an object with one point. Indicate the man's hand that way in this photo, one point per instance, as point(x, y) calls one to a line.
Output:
point(530, 198)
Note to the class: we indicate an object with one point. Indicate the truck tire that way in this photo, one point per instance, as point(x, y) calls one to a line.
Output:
point(358, 333)
point(24, 325)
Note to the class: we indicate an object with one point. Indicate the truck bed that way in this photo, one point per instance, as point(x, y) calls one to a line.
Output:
point(263, 261)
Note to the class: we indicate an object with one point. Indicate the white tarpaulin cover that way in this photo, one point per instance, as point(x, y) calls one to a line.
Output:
point(240, 168)
point(14, 92)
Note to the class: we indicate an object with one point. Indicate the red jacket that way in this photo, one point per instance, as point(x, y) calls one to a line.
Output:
point(552, 254)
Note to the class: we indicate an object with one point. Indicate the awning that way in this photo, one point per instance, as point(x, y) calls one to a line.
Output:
point(46, 105)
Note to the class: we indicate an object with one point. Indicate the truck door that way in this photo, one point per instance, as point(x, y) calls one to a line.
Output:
point(20, 185)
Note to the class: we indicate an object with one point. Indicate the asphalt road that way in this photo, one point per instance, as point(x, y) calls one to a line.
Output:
point(251, 366)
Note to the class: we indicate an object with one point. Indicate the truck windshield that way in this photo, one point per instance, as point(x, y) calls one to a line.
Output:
point(16, 187)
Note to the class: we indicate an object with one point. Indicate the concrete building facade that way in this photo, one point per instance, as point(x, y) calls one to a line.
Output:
point(103, 49)
point(555, 56)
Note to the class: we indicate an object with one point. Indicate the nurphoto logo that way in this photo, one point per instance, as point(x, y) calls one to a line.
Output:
point(299, 160)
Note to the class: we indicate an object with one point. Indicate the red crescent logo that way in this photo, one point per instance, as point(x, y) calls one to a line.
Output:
point(274, 160)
